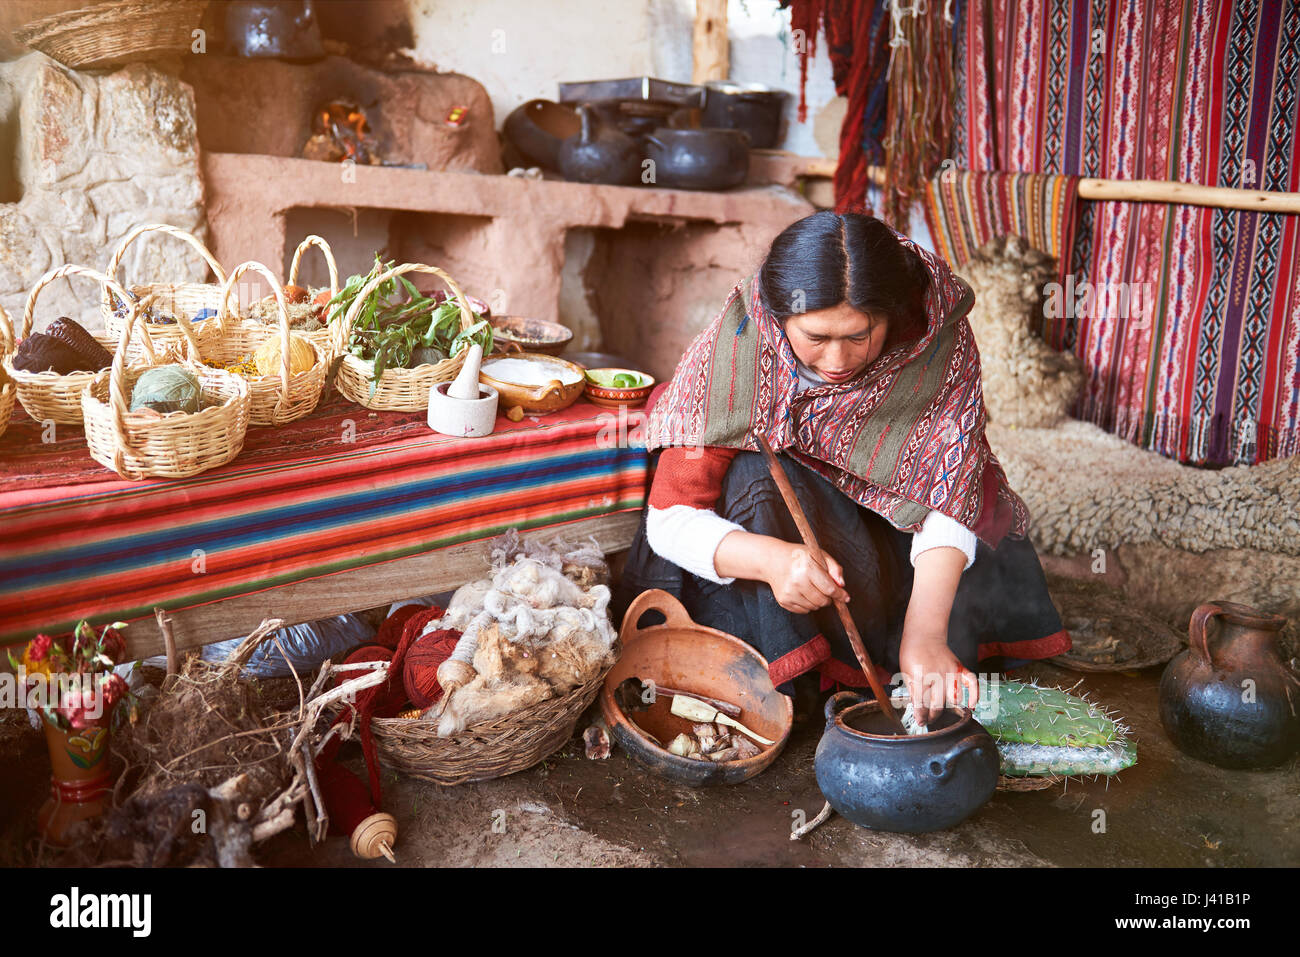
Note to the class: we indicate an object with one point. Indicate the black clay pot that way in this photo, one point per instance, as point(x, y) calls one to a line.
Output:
point(599, 154)
point(698, 159)
point(1232, 703)
point(267, 29)
point(752, 108)
point(907, 784)
point(539, 127)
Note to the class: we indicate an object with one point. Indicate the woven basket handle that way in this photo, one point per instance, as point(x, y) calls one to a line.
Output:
point(278, 290)
point(71, 269)
point(117, 376)
point(6, 333)
point(328, 253)
point(115, 263)
point(345, 327)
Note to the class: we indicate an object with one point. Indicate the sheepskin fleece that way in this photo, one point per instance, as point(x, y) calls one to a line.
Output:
point(1086, 489)
point(1027, 383)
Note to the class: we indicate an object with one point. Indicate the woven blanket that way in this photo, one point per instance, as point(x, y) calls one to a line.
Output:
point(313, 498)
point(1197, 91)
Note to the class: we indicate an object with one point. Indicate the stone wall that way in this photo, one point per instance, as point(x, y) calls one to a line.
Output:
point(95, 154)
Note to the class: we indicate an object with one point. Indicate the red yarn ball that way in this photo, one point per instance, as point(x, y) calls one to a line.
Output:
point(389, 697)
point(420, 670)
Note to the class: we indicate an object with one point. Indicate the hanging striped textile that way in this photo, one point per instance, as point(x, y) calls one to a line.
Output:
point(1207, 370)
point(964, 210)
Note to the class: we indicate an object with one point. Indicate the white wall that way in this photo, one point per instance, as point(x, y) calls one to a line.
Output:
point(522, 49)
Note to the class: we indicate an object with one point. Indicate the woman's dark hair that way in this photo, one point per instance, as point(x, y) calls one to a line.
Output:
point(827, 259)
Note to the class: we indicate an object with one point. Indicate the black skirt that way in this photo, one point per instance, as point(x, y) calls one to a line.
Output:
point(1002, 615)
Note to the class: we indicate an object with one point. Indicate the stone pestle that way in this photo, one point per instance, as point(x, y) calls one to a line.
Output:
point(466, 384)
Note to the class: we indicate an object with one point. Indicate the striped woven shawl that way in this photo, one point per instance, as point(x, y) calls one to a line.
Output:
point(905, 437)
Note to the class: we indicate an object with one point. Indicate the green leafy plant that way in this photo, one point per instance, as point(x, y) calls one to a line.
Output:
point(398, 327)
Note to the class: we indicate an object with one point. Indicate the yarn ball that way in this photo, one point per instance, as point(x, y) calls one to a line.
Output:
point(389, 697)
point(167, 389)
point(420, 669)
point(301, 355)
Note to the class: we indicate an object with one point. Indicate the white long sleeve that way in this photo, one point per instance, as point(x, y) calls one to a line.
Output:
point(940, 531)
point(689, 537)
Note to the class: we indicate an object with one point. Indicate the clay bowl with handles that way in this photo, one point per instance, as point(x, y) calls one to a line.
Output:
point(532, 335)
point(547, 397)
point(613, 397)
point(685, 656)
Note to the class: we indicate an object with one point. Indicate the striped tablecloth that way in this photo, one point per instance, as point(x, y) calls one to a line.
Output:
point(342, 489)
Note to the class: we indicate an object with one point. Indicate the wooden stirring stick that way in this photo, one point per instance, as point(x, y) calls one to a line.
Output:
point(801, 520)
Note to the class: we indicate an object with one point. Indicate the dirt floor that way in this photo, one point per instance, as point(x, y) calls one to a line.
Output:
point(1169, 810)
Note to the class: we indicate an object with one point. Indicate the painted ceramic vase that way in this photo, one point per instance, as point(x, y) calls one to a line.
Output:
point(81, 777)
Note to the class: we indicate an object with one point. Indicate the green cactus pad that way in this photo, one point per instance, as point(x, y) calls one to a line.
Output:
point(1049, 731)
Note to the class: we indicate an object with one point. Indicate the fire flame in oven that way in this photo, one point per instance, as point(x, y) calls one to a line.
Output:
point(345, 124)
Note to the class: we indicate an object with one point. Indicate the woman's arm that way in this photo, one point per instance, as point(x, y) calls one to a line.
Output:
point(932, 672)
point(797, 581)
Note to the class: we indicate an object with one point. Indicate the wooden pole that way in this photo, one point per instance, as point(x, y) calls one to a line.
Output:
point(709, 49)
point(1166, 191)
point(1145, 191)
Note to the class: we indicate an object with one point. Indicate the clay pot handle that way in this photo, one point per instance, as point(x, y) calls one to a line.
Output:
point(839, 701)
point(1198, 630)
point(942, 766)
point(656, 599)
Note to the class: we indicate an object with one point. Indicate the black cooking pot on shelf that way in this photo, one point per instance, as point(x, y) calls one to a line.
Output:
point(265, 28)
point(599, 153)
point(698, 159)
point(751, 107)
point(539, 127)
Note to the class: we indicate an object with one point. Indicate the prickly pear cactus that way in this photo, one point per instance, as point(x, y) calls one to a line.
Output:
point(1049, 731)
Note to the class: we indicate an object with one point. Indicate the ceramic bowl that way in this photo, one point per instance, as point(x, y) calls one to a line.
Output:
point(550, 397)
point(532, 335)
point(681, 654)
point(611, 397)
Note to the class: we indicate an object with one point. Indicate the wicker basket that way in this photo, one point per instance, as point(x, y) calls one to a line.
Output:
point(140, 445)
point(8, 391)
point(274, 400)
point(511, 743)
point(182, 300)
point(321, 337)
point(399, 390)
point(109, 34)
point(48, 396)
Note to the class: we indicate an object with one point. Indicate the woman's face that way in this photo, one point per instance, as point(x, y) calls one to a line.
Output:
point(836, 343)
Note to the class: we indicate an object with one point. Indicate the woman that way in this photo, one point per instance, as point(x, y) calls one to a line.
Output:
point(850, 351)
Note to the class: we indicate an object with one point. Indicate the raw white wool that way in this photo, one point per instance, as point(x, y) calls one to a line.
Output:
point(1027, 383)
point(528, 372)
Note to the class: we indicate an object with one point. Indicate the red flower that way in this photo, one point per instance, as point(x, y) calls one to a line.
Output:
point(113, 644)
point(38, 649)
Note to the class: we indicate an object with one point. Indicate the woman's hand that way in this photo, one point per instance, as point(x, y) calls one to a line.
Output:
point(801, 585)
point(798, 583)
point(934, 675)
